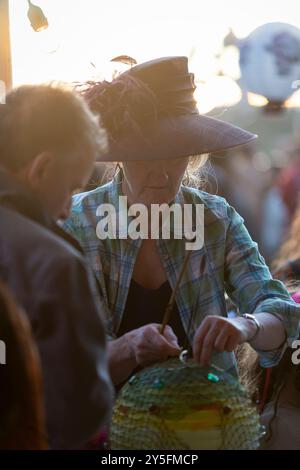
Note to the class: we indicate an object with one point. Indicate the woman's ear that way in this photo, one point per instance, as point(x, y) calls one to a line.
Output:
point(39, 169)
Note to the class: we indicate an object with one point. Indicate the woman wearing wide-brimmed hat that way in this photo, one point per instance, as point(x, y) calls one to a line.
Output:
point(154, 131)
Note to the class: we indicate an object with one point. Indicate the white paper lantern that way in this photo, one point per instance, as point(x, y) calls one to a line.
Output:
point(270, 61)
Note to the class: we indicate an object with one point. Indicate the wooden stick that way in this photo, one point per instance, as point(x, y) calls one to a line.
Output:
point(169, 308)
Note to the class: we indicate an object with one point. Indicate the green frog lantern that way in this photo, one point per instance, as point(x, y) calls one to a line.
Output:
point(179, 405)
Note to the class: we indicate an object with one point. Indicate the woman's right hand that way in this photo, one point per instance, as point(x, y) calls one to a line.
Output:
point(148, 345)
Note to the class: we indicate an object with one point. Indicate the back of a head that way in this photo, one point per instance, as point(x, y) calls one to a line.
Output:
point(21, 404)
point(37, 118)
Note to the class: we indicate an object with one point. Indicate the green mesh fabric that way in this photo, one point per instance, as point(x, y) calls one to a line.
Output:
point(182, 406)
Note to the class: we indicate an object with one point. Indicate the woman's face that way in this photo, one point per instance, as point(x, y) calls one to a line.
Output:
point(153, 182)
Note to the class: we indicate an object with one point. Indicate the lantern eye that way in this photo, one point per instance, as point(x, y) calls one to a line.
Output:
point(123, 409)
point(226, 410)
point(154, 409)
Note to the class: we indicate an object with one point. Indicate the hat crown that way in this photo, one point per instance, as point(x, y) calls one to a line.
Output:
point(169, 79)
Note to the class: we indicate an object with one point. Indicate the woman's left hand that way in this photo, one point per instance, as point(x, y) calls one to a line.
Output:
point(220, 334)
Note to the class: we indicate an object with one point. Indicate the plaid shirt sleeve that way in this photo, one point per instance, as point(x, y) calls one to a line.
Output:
point(250, 285)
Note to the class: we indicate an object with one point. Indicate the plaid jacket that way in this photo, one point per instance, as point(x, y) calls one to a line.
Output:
point(229, 261)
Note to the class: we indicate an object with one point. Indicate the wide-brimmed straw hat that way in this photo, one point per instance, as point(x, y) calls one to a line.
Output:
point(166, 126)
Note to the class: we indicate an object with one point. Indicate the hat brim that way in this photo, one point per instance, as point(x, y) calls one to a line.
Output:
point(175, 137)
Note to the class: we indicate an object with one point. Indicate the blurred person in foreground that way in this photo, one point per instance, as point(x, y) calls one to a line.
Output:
point(22, 420)
point(48, 142)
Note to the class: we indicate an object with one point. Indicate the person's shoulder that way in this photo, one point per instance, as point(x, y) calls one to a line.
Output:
point(23, 235)
point(212, 202)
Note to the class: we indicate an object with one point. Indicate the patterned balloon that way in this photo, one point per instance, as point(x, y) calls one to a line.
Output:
point(270, 61)
point(183, 406)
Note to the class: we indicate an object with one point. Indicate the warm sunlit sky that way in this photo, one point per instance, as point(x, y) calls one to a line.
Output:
point(85, 31)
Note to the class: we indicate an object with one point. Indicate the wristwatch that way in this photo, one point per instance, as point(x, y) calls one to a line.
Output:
point(258, 326)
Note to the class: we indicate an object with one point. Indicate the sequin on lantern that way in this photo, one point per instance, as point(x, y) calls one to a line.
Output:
point(213, 377)
point(159, 384)
point(132, 380)
point(263, 430)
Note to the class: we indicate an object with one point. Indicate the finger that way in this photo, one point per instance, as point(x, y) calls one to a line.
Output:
point(171, 337)
point(221, 340)
point(168, 337)
point(172, 349)
point(163, 346)
point(207, 347)
point(231, 343)
point(198, 339)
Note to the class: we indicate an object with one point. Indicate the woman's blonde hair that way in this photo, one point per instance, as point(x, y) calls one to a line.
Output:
point(194, 175)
